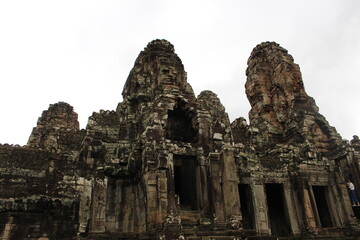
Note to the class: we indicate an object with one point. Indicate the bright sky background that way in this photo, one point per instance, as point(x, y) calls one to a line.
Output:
point(81, 52)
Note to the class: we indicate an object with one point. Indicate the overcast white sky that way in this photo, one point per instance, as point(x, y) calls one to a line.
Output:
point(81, 52)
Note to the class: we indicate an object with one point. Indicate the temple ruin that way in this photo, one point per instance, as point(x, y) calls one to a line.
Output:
point(167, 164)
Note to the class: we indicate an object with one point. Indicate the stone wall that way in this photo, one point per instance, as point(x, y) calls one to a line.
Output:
point(38, 196)
point(169, 165)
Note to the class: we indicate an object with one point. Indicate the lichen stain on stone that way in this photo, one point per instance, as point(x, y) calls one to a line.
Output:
point(166, 164)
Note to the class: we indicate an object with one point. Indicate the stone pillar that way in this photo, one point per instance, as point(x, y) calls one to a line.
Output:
point(172, 219)
point(85, 189)
point(154, 218)
point(309, 212)
point(163, 190)
point(216, 190)
point(5, 235)
point(260, 210)
point(98, 205)
point(203, 184)
point(230, 189)
point(291, 206)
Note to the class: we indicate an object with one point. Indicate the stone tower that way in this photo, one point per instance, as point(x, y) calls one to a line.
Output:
point(167, 164)
point(291, 161)
point(169, 158)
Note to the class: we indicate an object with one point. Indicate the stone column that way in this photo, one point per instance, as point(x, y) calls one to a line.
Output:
point(5, 235)
point(110, 209)
point(172, 221)
point(216, 190)
point(230, 189)
point(261, 210)
point(309, 212)
point(84, 186)
point(98, 205)
point(204, 204)
point(154, 218)
point(291, 207)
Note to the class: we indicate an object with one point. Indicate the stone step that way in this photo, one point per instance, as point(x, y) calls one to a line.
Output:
point(190, 217)
point(208, 235)
point(214, 238)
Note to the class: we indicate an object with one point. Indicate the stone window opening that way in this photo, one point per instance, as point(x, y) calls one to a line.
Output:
point(179, 125)
point(246, 206)
point(185, 181)
point(322, 205)
point(278, 212)
point(165, 71)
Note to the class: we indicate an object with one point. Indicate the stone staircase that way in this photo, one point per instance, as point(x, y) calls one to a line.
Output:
point(196, 227)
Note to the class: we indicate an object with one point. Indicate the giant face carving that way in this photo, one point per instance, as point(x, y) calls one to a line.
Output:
point(167, 75)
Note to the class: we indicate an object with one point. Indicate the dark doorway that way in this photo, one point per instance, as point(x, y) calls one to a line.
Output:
point(246, 206)
point(179, 125)
point(278, 219)
point(185, 181)
point(320, 194)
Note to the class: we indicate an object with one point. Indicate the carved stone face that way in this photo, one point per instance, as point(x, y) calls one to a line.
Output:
point(167, 75)
point(257, 91)
point(280, 105)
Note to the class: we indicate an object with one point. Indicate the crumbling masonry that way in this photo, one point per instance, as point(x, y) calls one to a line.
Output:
point(169, 165)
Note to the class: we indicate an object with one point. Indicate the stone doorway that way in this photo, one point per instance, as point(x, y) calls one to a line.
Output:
point(278, 213)
point(322, 205)
point(246, 206)
point(185, 181)
point(179, 125)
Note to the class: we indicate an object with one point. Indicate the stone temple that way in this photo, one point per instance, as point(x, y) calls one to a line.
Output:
point(169, 165)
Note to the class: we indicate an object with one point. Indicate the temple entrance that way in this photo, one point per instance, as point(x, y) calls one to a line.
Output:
point(185, 181)
point(277, 211)
point(322, 205)
point(246, 206)
point(179, 125)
